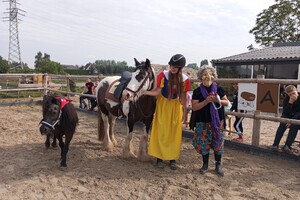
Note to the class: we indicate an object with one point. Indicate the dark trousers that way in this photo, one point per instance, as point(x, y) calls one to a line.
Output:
point(279, 133)
point(292, 135)
point(93, 102)
point(91, 99)
point(238, 124)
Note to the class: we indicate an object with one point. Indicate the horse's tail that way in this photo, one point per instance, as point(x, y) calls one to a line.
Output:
point(101, 132)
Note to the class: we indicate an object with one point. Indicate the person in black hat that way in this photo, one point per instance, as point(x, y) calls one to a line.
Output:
point(166, 132)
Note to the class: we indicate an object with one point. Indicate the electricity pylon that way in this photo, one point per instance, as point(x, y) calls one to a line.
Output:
point(14, 54)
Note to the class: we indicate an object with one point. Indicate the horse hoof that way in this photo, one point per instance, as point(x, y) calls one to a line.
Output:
point(144, 158)
point(63, 168)
point(109, 147)
point(54, 145)
point(127, 155)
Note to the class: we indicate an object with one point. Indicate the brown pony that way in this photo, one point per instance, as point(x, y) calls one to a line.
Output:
point(135, 108)
point(59, 118)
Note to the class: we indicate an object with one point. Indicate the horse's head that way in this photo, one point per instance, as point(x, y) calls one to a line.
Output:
point(51, 114)
point(143, 78)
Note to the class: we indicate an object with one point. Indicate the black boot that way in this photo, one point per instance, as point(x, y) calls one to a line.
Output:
point(159, 163)
point(219, 169)
point(173, 165)
point(204, 167)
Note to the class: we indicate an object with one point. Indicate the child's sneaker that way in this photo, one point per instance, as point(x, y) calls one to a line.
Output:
point(239, 139)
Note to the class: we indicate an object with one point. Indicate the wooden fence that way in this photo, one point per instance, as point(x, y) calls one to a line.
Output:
point(257, 116)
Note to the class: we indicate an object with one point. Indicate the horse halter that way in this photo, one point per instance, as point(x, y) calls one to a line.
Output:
point(142, 84)
point(52, 126)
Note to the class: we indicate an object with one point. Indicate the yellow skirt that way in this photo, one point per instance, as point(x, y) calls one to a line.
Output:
point(166, 132)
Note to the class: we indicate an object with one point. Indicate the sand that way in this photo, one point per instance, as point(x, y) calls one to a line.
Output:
point(30, 171)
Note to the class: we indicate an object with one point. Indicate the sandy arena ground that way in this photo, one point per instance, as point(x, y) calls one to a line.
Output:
point(30, 171)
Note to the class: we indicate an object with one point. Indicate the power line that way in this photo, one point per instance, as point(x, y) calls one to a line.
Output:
point(14, 54)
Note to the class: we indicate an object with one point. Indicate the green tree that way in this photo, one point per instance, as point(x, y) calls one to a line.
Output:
point(38, 60)
point(50, 67)
point(4, 65)
point(110, 67)
point(279, 23)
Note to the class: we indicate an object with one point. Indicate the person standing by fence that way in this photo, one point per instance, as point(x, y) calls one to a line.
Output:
point(207, 103)
point(238, 123)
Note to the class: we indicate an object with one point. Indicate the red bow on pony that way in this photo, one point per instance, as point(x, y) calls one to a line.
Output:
point(63, 101)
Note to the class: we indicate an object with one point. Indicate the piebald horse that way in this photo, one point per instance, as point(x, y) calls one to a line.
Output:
point(133, 105)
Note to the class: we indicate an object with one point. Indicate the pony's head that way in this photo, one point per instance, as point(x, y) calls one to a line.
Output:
point(142, 79)
point(51, 114)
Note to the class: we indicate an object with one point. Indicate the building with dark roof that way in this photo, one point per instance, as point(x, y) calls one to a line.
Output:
point(281, 61)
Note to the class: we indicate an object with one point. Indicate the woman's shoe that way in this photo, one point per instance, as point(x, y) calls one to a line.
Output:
point(159, 163)
point(173, 165)
point(204, 169)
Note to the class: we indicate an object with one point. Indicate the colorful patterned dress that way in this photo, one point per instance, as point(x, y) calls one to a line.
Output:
point(166, 132)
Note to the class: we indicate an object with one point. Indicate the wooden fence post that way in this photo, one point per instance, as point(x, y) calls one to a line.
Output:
point(256, 123)
point(256, 129)
point(45, 83)
point(68, 86)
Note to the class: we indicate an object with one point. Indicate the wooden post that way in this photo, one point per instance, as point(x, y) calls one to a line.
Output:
point(68, 86)
point(256, 129)
point(45, 83)
point(256, 123)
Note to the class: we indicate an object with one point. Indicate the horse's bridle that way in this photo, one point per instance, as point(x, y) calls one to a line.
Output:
point(142, 84)
point(149, 87)
point(52, 126)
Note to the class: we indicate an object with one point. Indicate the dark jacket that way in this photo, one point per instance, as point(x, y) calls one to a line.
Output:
point(291, 111)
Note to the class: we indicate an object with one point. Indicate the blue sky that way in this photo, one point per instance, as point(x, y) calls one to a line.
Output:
point(76, 32)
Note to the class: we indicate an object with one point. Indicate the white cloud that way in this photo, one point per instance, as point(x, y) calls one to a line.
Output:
point(78, 32)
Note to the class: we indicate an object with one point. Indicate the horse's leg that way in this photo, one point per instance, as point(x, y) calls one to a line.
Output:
point(142, 153)
point(54, 145)
point(63, 162)
point(107, 143)
point(101, 132)
point(61, 145)
point(47, 142)
point(112, 122)
point(127, 150)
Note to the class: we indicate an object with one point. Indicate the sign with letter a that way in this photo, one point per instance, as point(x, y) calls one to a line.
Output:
point(268, 97)
point(261, 96)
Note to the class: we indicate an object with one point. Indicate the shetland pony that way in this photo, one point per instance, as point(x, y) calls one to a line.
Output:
point(59, 119)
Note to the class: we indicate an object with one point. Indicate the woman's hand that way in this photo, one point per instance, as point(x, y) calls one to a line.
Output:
point(211, 98)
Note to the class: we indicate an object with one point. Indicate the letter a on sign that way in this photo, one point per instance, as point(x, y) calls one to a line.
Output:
point(268, 97)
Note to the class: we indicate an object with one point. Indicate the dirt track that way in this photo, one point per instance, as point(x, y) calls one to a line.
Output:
point(29, 171)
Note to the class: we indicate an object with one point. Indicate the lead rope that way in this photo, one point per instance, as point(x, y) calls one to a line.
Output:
point(219, 101)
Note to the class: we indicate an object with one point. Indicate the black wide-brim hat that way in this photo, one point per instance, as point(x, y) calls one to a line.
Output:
point(178, 61)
